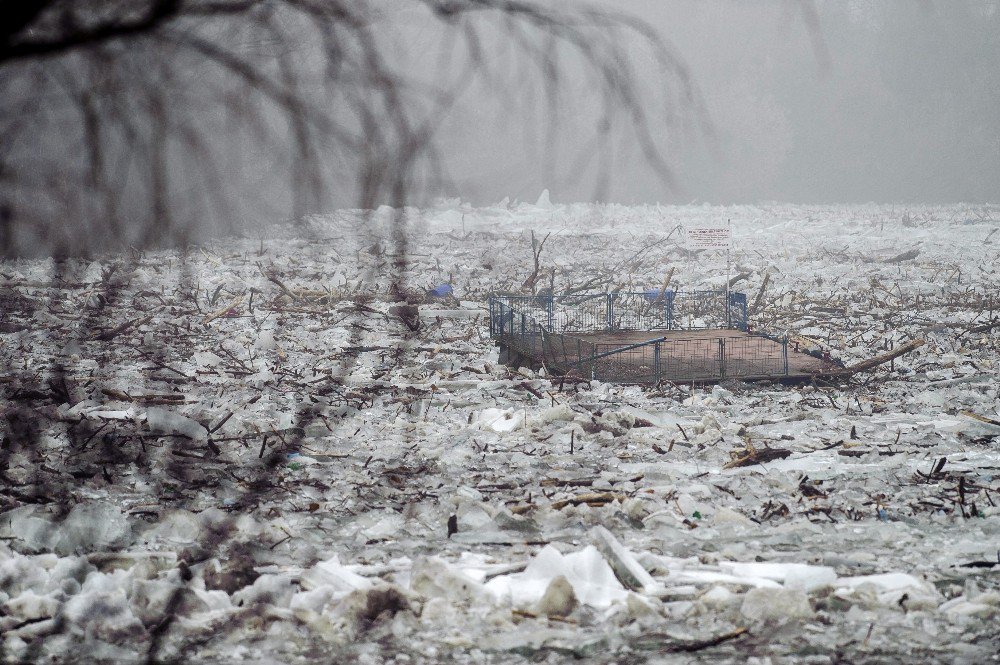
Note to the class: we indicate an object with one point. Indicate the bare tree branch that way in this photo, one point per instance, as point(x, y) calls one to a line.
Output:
point(73, 34)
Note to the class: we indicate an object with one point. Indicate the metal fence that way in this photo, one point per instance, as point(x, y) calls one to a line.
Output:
point(647, 310)
point(705, 359)
point(550, 330)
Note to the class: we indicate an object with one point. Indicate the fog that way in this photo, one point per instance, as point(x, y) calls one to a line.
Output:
point(210, 120)
point(869, 100)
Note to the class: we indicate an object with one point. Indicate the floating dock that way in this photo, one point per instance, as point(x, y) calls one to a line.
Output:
point(648, 338)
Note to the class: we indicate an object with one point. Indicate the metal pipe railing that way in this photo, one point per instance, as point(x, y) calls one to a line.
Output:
point(622, 349)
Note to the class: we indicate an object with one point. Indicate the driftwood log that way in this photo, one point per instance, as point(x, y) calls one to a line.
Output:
point(866, 365)
point(752, 456)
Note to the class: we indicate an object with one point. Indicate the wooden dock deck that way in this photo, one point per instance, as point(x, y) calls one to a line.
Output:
point(681, 356)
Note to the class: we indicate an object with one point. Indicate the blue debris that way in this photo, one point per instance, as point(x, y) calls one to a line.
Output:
point(654, 294)
point(441, 291)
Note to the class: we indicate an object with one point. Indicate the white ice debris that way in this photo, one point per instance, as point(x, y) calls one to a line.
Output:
point(500, 420)
point(983, 605)
point(206, 359)
point(592, 579)
point(555, 414)
point(265, 338)
point(890, 588)
point(162, 420)
point(276, 590)
point(378, 482)
point(559, 598)
point(333, 575)
point(434, 577)
point(543, 201)
point(87, 527)
point(628, 570)
point(792, 575)
point(718, 596)
point(767, 604)
point(472, 516)
point(727, 516)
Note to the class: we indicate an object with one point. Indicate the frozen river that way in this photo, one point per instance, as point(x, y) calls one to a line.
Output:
point(254, 451)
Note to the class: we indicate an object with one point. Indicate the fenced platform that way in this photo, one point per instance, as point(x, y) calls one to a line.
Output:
point(647, 337)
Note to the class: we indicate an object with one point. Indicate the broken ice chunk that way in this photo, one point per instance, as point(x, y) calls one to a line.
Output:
point(164, 421)
point(793, 575)
point(500, 420)
point(205, 359)
point(559, 599)
point(591, 577)
point(777, 605)
point(890, 588)
point(331, 573)
point(434, 577)
point(623, 562)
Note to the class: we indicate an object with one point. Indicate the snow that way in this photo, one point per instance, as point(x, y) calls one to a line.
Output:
point(282, 479)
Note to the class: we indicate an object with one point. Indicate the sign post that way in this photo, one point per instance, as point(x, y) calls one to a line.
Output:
point(715, 236)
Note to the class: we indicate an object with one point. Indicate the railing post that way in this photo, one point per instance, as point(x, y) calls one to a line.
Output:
point(551, 307)
point(611, 311)
point(722, 357)
point(522, 324)
point(784, 353)
point(656, 362)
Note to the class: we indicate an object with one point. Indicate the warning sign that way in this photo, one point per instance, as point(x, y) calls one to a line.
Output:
point(708, 237)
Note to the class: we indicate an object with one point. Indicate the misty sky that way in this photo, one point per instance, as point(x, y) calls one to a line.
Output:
point(890, 101)
point(883, 100)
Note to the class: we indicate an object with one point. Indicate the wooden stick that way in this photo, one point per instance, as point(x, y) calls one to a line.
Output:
point(212, 317)
point(663, 289)
point(982, 419)
point(989, 325)
point(758, 456)
point(533, 391)
point(277, 282)
point(755, 307)
point(592, 499)
point(108, 335)
point(698, 645)
point(164, 398)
